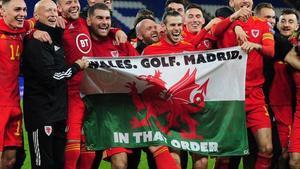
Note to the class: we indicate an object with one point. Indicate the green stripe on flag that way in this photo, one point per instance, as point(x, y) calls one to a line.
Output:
point(219, 129)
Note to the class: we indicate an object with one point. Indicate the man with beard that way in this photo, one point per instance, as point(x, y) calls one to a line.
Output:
point(171, 43)
point(287, 25)
point(278, 88)
point(260, 43)
point(147, 33)
point(45, 91)
point(109, 4)
point(99, 19)
point(77, 43)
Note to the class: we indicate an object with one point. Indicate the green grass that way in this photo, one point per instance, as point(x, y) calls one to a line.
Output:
point(106, 165)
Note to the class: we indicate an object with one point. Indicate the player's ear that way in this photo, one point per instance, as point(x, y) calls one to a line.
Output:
point(88, 21)
point(202, 21)
point(231, 3)
point(277, 25)
point(59, 8)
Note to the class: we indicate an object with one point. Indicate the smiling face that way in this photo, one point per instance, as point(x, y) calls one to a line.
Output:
point(69, 9)
point(194, 20)
point(46, 13)
point(174, 26)
point(287, 24)
point(238, 4)
point(14, 13)
point(268, 14)
point(148, 31)
point(100, 23)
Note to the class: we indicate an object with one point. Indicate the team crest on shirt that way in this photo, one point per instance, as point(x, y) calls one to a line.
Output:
point(114, 53)
point(206, 43)
point(48, 130)
point(255, 32)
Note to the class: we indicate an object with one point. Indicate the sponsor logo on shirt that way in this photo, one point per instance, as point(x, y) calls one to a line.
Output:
point(83, 43)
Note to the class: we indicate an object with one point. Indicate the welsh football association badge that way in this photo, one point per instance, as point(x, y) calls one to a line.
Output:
point(48, 130)
point(255, 33)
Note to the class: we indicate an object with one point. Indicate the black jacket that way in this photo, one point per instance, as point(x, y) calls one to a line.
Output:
point(45, 80)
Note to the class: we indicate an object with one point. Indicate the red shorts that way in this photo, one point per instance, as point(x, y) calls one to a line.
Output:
point(10, 127)
point(294, 146)
point(257, 115)
point(115, 150)
point(283, 116)
point(76, 110)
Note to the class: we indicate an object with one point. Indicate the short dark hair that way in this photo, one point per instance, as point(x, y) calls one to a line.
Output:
point(99, 6)
point(169, 13)
point(183, 2)
point(262, 5)
point(144, 12)
point(193, 5)
point(5, 2)
point(290, 12)
point(224, 12)
point(141, 18)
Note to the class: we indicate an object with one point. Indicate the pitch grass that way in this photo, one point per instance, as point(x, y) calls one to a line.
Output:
point(105, 165)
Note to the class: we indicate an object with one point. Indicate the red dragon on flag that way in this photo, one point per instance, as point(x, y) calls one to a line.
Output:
point(177, 103)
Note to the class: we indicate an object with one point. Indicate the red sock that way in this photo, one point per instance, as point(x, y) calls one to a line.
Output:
point(163, 159)
point(263, 161)
point(87, 158)
point(72, 153)
point(222, 163)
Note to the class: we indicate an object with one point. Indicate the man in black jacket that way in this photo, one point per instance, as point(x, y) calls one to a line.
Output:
point(45, 91)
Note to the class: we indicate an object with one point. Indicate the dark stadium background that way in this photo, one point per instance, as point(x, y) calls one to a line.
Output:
point(125, 10)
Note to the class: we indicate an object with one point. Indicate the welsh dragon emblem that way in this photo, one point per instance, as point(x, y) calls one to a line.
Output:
point(177, 104)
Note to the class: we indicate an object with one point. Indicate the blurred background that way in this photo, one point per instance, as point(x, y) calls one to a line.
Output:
point(125, 10)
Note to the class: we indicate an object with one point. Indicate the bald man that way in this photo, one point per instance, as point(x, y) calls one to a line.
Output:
point(45, 90)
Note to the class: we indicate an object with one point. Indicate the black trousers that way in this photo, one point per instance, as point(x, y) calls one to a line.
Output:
point(47, 145)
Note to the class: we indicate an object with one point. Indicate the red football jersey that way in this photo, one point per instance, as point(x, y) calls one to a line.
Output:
point(258, 31)
point(163, 47)
point(10, 52)
point(109, 48)
point(208, 42)
point(77, 43)
point(281, 93)
point(187, 36)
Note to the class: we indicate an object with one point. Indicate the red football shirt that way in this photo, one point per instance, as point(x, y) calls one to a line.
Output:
point(259, 32)
point(77, 43)
point(109, 48)
point(163, 47)
point(10, 52)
